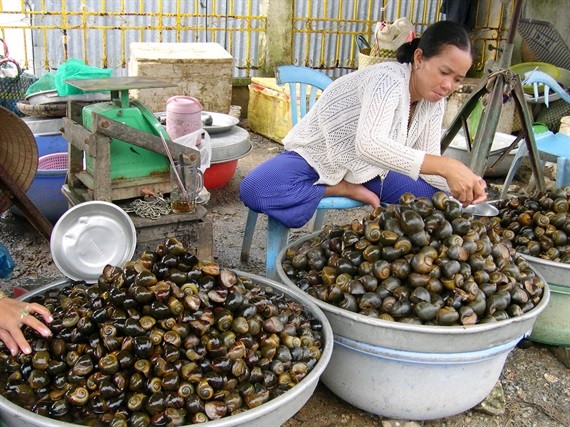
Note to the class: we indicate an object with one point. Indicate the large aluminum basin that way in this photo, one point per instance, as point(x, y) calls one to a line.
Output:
point(553, 324)
point(416, 372)
point(273, 413)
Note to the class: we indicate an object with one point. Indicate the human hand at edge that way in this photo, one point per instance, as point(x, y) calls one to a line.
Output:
point(13, 315)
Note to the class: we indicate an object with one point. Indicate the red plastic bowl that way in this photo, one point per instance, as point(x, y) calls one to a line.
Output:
point(219, 174)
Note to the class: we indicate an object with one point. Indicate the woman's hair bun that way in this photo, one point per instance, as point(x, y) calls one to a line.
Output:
point(405, 53)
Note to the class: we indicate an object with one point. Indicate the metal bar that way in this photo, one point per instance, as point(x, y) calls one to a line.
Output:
point(522, 109)
point(465, 111)
point(507, 54)
point(117, 130)
point(487, 127)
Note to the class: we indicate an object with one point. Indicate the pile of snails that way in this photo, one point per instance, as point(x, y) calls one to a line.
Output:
point(164, 340)
point(424, 261)
point(537, 225)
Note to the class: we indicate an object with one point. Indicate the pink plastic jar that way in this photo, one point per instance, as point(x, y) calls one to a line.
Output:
point(183, 116)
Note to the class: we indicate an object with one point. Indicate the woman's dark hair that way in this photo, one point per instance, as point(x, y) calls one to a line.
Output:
point(434, 39)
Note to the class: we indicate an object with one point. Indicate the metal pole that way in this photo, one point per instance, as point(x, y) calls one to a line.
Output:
point(487, 127)
point(507, 53)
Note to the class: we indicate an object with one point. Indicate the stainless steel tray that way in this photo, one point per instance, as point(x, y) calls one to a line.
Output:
point(89, 236)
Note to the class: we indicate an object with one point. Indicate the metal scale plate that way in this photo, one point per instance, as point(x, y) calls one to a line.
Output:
point(135, 160)
point(117, 84)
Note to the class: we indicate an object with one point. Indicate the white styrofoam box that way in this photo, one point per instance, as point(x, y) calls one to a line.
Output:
point(201, 70)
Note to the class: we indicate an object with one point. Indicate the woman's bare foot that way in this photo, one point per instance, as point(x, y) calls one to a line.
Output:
point(354, 191)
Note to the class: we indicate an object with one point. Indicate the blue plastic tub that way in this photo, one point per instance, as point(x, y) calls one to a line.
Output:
point(47, 133)
point(45, 190)
point(50, 143)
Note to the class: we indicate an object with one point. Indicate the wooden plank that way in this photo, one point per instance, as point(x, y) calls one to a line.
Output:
point(102, 170)
point(194, 230)
point(113, 129)
point(75, 134)
point(22, 202)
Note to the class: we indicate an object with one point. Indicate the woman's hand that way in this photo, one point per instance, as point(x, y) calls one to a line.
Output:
point(13, 315)
point(464, 185)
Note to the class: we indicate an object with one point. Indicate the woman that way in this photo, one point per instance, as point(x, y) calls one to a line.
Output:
point(13, 315)
point(373, 135)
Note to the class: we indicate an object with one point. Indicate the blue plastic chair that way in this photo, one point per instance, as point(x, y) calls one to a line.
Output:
point(552, 147)
point(304, 86)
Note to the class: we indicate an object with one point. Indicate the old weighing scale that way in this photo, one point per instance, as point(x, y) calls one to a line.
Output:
point(116, 154)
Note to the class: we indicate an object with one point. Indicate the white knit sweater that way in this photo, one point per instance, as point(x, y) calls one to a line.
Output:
point(358, 128)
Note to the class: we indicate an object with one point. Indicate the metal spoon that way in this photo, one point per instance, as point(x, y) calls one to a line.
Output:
point(482, 209)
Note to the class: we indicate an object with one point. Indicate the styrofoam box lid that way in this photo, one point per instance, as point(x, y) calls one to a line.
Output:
point(166, 52)
point(500, 142)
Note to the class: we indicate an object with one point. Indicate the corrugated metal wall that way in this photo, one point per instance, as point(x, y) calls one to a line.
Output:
point(100, 32)
point(324, 31)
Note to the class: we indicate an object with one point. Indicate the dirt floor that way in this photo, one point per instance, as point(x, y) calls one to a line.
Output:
point(534, 387)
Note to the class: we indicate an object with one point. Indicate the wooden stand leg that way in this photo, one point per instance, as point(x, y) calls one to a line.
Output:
point(30, 211)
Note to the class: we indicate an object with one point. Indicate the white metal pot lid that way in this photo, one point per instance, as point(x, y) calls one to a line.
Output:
point(231, 145)
point(89, 236)
point(220, 122)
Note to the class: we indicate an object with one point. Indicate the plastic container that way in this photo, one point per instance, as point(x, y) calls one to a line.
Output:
point(47, 133)
point(183, 116)
point(45, 191)
point(273, 413)
point(6, 262)
point(416, 372)
point(219, 174)
point(553, 324)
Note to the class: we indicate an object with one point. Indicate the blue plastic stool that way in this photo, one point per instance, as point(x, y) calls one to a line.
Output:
point(278, 234)
point(552, 147)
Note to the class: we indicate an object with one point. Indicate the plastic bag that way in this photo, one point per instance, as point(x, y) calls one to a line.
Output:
point(200, 140)
point(389, 37)
point(6, 263)
point(46, 82)
point(76, 69)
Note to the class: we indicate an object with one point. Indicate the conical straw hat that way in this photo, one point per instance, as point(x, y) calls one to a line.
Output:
point(18, 154)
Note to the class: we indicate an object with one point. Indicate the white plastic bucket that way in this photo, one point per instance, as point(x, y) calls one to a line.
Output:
point(422, 386)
